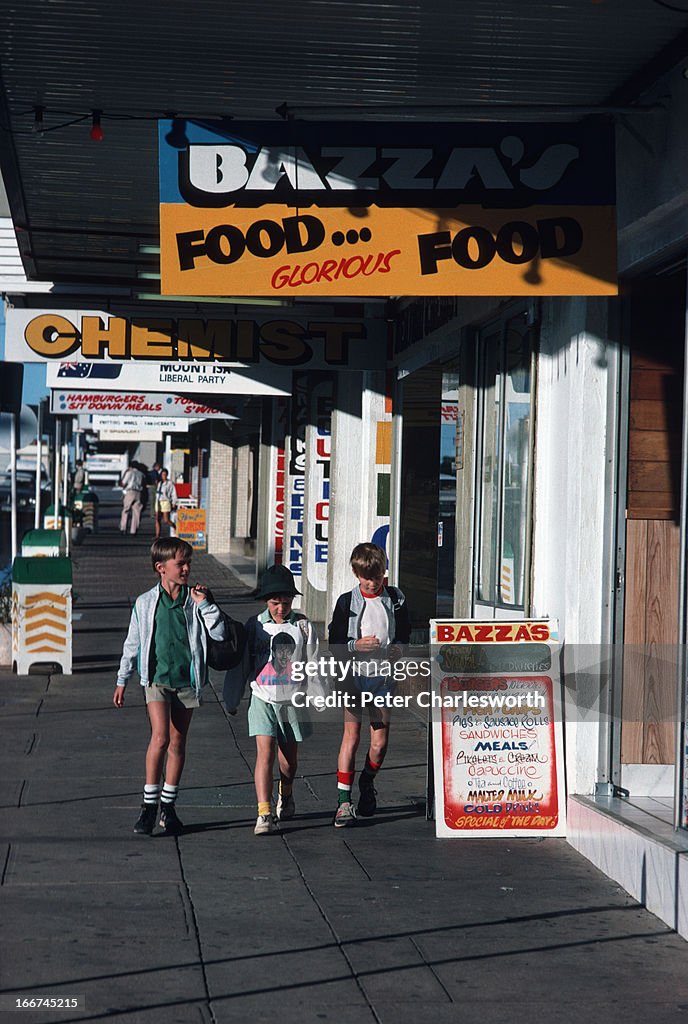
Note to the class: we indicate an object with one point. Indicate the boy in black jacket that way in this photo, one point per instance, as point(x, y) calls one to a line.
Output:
point(367, 620)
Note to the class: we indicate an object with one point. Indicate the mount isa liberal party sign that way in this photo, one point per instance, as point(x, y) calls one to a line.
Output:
point(298, 209)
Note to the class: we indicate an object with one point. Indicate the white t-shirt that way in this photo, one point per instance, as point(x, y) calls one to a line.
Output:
point(374, 621)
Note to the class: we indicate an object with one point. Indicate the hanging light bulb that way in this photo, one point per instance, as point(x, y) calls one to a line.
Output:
point(97, 134)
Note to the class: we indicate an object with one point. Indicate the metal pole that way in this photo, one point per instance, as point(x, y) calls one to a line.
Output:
point(13, 483)
point(56, 469)
point(39, 466)
point(65, 472)
point(65, 484)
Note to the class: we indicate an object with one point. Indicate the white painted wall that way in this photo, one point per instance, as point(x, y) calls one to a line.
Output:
point(353, 504)
point(572, 504)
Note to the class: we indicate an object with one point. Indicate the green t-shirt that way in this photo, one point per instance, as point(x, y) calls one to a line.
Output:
point(171, 642)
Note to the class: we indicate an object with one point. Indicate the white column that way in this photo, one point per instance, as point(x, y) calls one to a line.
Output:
point(39, 465)
point(360, 472)
point(13, 482)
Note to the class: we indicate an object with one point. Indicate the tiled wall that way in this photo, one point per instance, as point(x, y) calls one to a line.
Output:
point(651, 868)
point(220, 497)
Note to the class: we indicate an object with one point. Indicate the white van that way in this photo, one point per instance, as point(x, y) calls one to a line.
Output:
point(106, 466)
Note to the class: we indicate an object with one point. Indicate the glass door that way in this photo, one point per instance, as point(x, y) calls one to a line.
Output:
point(503, 470)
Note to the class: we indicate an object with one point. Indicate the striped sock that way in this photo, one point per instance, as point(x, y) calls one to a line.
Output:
point(169, 794)
point(151, 793)
point(369, 772)
point(345, 781)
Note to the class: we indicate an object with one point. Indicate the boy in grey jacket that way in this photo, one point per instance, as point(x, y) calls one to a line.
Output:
point(167, 644)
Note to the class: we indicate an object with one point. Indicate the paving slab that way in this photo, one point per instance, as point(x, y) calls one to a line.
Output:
point(381, 923)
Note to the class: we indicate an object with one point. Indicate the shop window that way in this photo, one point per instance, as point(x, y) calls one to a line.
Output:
point(503, 467)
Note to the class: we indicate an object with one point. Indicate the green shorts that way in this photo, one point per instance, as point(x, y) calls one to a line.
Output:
point(282, 721)
point(184, 696)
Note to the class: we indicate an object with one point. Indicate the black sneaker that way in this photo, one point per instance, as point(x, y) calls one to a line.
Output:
point(146, 819)
point(367, 803)
point(169, 822)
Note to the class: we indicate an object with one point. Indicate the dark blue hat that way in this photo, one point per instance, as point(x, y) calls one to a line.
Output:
point(277, 580)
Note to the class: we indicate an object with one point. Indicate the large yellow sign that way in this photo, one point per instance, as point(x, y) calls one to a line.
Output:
point(303, 210)
point(471, 251)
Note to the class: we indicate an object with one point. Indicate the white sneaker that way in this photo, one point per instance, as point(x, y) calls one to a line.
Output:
point(286, 808)
point(265, 825)
point(345, 816)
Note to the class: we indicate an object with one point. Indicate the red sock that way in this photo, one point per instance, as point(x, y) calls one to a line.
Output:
point(345, 781)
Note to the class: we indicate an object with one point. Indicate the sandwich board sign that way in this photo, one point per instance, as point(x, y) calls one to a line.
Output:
point(497, 737)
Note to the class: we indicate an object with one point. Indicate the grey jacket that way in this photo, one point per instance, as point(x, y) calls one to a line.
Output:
point(345, 627)
point(136, 653)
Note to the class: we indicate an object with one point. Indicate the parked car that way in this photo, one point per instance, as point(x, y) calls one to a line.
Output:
point(26, 492)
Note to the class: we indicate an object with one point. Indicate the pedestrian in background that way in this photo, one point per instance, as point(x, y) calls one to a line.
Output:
point(78, 477)
point(365, 622)
point(165, 501)
point(132, 483)
point(167, 641)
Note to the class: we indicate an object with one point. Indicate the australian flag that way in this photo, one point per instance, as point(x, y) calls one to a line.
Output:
point(104, 371)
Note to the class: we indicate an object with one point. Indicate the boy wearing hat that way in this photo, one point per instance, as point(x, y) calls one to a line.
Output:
point(275, 638)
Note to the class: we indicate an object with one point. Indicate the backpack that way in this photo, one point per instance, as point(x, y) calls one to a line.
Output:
point(223, 655)
point(393, 592)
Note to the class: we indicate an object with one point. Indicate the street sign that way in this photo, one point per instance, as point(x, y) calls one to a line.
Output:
point(139, 403)
point(180, 378)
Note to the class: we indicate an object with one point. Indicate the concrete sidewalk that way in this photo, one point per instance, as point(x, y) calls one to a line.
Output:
point(382, 923)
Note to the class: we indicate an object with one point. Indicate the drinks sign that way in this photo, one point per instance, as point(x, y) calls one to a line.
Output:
point(191, 527)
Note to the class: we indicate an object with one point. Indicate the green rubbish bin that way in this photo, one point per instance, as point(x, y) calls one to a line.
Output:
point(41, 613)
point(56, 522)
point(87, 503)
point(49, 543)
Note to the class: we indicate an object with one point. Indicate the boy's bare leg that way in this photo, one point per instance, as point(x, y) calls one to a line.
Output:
point(180, 720)
point(288, 754)
point(265, 759)
point(346, 761)
point(159, 718)
point(379, 741)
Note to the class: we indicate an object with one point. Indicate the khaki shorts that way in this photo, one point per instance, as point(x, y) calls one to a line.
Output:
point(176, 695)
point(281, 721)
point(164, 505)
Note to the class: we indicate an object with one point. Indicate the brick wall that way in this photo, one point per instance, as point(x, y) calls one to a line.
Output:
point(220, 493)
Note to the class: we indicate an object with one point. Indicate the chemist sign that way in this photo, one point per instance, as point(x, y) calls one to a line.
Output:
point(267, 342)
point(497, 730)
point(301, 209)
